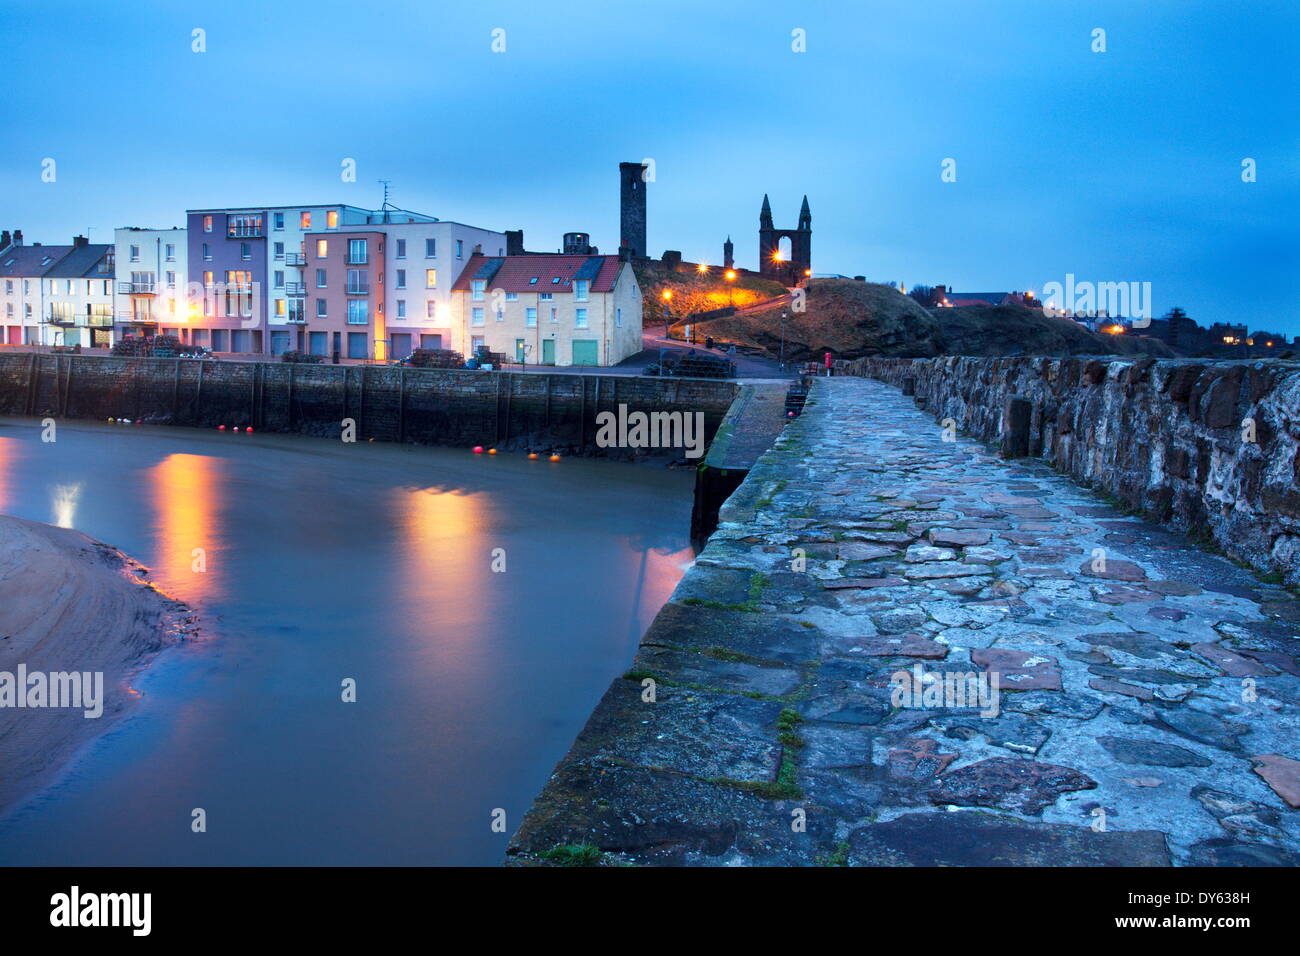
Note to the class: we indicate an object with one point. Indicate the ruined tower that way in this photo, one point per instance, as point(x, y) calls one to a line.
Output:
point(769, 244)
point(728, 254)
point(631, 178)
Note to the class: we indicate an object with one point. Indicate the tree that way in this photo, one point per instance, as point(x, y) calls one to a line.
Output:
point(924, 294)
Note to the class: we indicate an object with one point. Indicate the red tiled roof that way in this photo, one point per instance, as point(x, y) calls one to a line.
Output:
point(516, 273)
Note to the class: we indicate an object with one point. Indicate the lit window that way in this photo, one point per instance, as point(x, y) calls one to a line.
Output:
point(304, 220)
point(430, 278)
point(322, 246)
point(279, 307)
point(207, 223)
point(332, 219)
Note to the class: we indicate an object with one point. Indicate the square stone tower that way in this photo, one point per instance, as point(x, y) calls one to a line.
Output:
point(631, 180)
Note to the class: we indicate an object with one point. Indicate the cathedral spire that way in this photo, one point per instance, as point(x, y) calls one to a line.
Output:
point(805, 215)
point(765, 217)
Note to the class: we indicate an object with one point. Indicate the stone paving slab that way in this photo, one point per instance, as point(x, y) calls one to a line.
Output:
point(904, 650)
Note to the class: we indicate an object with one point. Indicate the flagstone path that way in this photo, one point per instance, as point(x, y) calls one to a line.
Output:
point(1148, 705)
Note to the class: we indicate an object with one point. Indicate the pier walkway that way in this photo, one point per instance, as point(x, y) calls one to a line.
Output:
point(901, 649)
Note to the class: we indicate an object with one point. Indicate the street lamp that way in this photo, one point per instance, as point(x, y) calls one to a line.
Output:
point(668, 298)
point(784, 315)
point(731, 289)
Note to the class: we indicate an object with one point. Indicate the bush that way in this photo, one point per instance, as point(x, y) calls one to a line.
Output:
point(305, 358)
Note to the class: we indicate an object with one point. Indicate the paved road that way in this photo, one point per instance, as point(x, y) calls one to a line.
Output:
point(1148, 693)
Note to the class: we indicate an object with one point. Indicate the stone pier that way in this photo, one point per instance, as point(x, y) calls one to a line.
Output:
point(900, 648)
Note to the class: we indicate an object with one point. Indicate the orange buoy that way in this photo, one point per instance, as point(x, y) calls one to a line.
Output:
point(532, 456)
point(555, 458)
point(492, 451)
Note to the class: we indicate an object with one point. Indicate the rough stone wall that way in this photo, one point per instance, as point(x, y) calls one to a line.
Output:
point(388, 403)
point(1172, 438)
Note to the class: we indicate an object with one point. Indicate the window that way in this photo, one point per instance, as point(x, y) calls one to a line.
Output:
point(304, 220)
point(171, 280)
point(547, 296)
point(533, 281)
point(207, 223)
point(476, 289)
point(357, 253)
point(279, 279)
point(460, 248)
point(320, 278)
point(243, 225)
point(512, 296)
point(322, 248)
point(245, 250)
point(580, 319)
point(358, 311)
point(530, 318)
point(501, 315)
point(476, 316)
point(358, 282)
point(278, 221)
point(580, 289)
point(322, 309)
point(141, 282)
point(555, 281)
point(477, 342)
point(135, 253)
point(430, 278)
point(401, 278)
point(431, 309)
point(207, 277)
point(332, 219)
point(279, 308)
point(430, 248)
point(169, 251)
point(401, 308)
point(279, 250)
point(618, 317)
point(554, 316)
point(207, 252)
point(401, 248)
point(296, 311)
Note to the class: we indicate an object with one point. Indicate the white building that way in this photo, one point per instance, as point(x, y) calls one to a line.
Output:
point(77, 297)
point(22, 289)
point(151, 277)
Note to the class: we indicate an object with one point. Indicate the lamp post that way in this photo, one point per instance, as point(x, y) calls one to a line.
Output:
point(784, 315)
point(731, 288)
point(668, 298)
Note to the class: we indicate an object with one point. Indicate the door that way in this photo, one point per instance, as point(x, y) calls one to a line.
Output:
point(586, 352)
point(428, 341)
point(279, 342)
point(519, 351)
point(318, 342)
point(548, 351)
point(401, 345)
point(358, 345)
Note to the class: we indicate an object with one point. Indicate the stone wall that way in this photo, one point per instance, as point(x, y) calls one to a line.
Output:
point(388, 403)
point(1210, 448)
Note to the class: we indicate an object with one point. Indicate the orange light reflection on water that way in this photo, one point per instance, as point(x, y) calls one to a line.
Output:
point(185, 499)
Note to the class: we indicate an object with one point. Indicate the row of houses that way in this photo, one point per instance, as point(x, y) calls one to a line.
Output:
point(337, 281)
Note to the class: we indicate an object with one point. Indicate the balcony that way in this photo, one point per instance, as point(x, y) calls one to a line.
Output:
point(126, 315)
point(100, 321)
point(295, 288)
point(358, 288)
point(244, 231)
point(295, 259)
point(64, 319)
point(136, 288)
point(296, 318)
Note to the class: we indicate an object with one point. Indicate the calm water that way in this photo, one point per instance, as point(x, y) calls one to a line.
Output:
point(328, 561)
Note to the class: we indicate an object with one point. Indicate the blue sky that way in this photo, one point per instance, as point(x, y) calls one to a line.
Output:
point(1115, 166)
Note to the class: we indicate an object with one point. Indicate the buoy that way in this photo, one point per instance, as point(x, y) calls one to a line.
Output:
point(555, 458)
point(236, 428)
point(111, 419)
point(221, 428)
point(127, 421)
point(532, 456)
point(249, 428)
point(478, 449)
point(492, 451)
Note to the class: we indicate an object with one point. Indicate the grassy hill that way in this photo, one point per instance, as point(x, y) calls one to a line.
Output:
point(697, 291)
point(852, 319)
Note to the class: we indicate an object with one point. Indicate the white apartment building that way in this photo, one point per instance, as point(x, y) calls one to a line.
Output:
point(151, 280)
point(22, 289)
point(77, 297)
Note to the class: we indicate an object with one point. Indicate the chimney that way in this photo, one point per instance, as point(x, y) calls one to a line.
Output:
point(79, 241)
point(4, 239)
point(18, 237)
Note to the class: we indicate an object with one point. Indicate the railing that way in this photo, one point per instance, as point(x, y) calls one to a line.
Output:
point(358, 288)
point(62, 319)
point(244, 232)
point(100, 321)
point(295, 288)
point(295, 259)
point(136, 288)
point(360, 260)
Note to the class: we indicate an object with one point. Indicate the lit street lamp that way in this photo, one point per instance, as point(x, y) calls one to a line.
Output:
point(668, 298)
point(731, 288)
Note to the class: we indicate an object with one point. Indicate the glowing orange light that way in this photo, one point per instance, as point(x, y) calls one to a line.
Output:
point(702, 267)
point(776, 256)
point(731, 275)
point(668, 294)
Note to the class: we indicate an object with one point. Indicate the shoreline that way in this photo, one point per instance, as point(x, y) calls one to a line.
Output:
point(71, 604)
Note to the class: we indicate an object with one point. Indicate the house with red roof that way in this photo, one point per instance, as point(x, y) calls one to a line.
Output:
point(548, 309)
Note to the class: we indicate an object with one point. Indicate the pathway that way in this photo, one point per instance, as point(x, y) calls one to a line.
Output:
point(799, 699)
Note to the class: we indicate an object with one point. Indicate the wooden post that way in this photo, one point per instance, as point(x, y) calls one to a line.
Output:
point(289, 409)
point(176, 392)
point(909, 385)
point(198, 392)
point(401, 404)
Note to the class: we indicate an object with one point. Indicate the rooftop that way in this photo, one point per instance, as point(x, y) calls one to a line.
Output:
point(539, 273)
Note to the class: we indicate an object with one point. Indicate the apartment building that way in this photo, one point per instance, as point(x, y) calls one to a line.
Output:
point(22, 287)
point(151, 281)
point(381, 290)
point(548, 309)
point(78, 296)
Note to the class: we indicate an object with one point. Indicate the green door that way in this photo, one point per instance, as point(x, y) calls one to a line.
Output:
point(548, 351)
point(585, 352)
point(519, 351)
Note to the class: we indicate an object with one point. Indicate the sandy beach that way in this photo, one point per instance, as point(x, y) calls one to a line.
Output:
point(69, 605)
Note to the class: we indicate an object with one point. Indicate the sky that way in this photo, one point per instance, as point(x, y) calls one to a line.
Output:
point(1115, 166)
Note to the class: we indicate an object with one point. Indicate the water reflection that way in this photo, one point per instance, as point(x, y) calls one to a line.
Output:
point(9, 452)
point(185, 497)
point(63, 504)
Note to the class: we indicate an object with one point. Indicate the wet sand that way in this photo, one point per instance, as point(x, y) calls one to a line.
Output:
point(70, 603)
